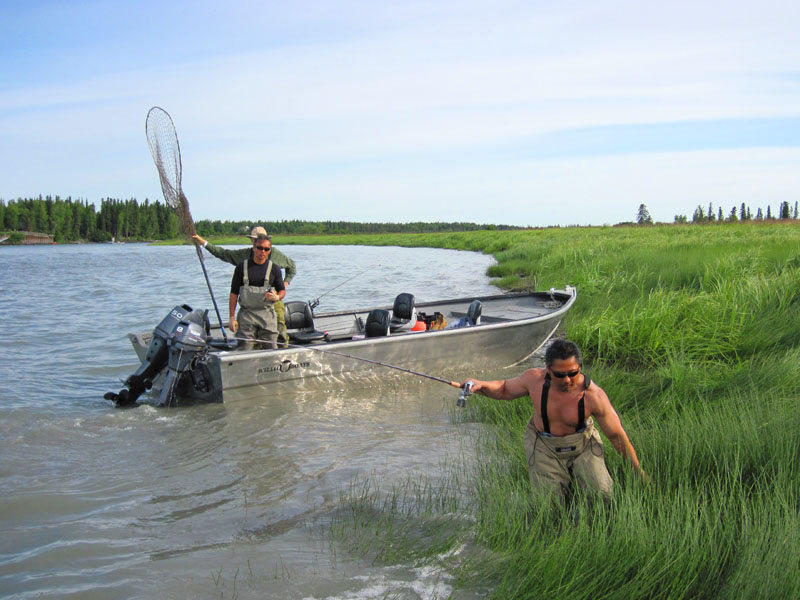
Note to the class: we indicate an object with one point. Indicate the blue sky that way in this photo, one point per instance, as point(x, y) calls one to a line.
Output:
point(527, 113)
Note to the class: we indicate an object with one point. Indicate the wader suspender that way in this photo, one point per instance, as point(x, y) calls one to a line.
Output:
point(581, 408)
point(266, 277)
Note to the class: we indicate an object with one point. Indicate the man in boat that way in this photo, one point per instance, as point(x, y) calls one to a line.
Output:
point(562, 446)
point(256, 285)
point(279, 259)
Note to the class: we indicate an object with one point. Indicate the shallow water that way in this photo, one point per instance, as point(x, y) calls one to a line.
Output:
point(216, 501)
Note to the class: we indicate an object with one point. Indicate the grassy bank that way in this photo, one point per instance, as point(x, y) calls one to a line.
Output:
point(695, 334)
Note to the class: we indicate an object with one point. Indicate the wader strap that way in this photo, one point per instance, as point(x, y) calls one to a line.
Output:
point(545, 392)
point(581, 409)
point(266, 277)
point(581, 405)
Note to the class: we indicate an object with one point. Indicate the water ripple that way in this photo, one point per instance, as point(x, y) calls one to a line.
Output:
point(97, 502)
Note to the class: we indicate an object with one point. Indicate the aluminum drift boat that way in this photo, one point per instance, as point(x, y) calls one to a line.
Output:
point(184, 360)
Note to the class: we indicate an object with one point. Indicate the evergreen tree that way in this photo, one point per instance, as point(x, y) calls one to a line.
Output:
point(784, 210)
point(12, 217)
point(643, 216)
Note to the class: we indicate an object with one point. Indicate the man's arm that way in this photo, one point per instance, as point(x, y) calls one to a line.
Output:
point(285, 263)
point(503, 389)
point(611, 426)
point(276, 282)
point(236, 283)
point(233, 257)
point(232, 324)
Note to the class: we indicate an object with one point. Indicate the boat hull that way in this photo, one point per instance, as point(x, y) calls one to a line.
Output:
point(513, 327)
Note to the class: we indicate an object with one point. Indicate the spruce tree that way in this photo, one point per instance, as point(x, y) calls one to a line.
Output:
point(643, 216)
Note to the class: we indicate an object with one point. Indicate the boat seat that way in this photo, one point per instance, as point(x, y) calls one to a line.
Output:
point(223, 344)
point(377, 323)
point(300, 323)
point(404, 313)
point(474, 312)
point(473, 316)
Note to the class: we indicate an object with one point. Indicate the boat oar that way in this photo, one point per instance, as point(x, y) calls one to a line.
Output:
point(466, 390)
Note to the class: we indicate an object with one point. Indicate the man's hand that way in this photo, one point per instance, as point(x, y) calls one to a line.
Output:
point(233, 325)
point(645, 477)
point(198, 240)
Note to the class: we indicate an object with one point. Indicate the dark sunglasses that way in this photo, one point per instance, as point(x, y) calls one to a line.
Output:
point(264, 248)
point(561, 374)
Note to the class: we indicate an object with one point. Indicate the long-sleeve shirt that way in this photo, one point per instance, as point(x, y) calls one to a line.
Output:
point(235, 257)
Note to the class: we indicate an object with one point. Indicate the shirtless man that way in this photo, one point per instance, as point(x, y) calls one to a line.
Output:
point(561, 443)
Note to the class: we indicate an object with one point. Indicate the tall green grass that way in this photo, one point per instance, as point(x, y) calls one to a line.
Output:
point(694, 332)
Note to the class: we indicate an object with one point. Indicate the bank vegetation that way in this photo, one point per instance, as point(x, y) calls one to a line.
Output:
point(694, 332)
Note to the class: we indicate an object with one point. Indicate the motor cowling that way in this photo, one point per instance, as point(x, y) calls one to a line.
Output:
point(157, 356)
point(186, 345)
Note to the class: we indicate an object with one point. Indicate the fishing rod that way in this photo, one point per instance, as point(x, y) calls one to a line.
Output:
point(466, 389)
point(315, 303)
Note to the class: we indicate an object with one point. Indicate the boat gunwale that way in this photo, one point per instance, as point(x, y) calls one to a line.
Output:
point(557, 313)
point(569, 291)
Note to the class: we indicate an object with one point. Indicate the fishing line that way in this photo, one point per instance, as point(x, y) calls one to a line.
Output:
point(368, 360)
point(315, 303)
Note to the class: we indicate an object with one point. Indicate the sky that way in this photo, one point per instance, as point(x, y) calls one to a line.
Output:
point(526, 113)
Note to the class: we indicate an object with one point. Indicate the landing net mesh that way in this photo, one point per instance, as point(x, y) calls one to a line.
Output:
point(163, 141)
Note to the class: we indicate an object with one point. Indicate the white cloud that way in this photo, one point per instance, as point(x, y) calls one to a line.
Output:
point(408, 102)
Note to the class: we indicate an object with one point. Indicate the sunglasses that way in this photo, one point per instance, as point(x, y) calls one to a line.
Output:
point(561, 374)
point(264, 248)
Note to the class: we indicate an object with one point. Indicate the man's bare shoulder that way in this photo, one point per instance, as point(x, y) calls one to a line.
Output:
point(595, 395)
point(523, 384)
point(532, 378)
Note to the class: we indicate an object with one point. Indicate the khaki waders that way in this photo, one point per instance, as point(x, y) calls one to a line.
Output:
point(280, 313)
point(257, 319)
point(555, 461)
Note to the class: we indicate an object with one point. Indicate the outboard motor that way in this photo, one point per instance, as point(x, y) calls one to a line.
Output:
point(187, 346)
point(180, 344)
point(154, 361)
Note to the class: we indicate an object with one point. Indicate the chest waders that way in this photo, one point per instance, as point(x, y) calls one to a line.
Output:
point(555, 462)
point(257, 316)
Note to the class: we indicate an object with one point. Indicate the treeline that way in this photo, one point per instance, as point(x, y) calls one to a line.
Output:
point(295, 227)
point(68, 220)
point(740, 213)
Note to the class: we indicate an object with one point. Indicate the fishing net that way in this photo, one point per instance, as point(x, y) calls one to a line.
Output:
point(163, 141)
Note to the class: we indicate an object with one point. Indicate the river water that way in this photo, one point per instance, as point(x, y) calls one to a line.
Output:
point(217, 501)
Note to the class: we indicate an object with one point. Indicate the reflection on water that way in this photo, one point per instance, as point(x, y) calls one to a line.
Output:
point(208, 501)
